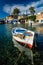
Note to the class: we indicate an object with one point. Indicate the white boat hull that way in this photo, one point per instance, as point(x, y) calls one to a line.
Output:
point(27, 41)
point(23, 42)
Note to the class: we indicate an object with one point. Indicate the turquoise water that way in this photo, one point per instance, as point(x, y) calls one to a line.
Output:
point(5, 33)
point(6, 37)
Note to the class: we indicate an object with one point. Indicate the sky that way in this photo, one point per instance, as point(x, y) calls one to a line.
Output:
point(7, 6)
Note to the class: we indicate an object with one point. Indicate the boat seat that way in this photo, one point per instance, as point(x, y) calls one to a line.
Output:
point(20, 36)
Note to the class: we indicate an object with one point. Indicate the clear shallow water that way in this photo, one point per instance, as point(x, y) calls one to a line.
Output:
point(6, 35)
point(6, 38)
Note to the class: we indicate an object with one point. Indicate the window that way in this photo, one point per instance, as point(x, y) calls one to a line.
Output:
point(41, 20)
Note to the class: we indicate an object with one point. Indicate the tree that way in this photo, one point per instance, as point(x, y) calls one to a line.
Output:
point(16, 11)
point(32, 11)
point(32, 18)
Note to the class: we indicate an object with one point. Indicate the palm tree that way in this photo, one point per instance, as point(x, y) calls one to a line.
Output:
point(16, 11)
point(32, 11)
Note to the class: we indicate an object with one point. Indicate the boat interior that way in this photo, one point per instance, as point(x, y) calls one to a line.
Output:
point(23, 36)
point(20, 36)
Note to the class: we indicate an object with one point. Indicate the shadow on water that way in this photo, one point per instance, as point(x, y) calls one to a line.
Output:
point(9, 53)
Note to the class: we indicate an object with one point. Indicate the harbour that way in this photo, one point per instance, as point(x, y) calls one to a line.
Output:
point(21, 32)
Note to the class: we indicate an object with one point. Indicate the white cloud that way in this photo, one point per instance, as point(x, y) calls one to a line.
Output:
point(35, 4)
point(40, 9)
point(9, 9)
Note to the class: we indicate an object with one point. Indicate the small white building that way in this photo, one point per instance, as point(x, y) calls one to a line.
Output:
point(30, 22)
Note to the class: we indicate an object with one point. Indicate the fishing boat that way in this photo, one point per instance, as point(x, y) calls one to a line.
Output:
point(23, 36)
